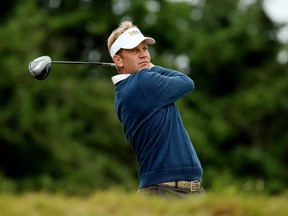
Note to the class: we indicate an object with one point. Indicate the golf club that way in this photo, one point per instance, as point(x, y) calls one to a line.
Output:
point(41, 66)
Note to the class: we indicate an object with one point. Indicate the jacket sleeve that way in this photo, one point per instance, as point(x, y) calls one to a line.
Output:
point(164, 86)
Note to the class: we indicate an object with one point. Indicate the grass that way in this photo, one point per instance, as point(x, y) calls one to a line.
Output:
point(117, 203)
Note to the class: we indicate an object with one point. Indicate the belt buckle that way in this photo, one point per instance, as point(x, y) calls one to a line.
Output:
point(195, 186)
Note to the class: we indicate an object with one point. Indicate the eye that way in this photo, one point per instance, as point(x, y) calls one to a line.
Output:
point(133, 50)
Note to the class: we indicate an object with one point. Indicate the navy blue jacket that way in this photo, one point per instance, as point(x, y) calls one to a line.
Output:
point(145, 105)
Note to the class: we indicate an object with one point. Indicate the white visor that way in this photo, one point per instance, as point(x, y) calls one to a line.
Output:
point(128, 40)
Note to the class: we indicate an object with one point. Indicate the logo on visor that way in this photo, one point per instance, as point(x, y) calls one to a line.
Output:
point(133, 33)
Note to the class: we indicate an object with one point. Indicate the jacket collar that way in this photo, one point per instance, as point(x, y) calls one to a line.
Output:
point(117, 78)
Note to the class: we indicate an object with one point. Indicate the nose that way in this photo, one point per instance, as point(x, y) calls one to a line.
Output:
point(143, 53)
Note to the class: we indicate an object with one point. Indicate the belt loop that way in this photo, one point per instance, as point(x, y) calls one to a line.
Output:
point(195, 185)
point(176, 184)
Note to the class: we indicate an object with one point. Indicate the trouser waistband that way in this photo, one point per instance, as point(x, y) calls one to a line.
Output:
point(187, 185)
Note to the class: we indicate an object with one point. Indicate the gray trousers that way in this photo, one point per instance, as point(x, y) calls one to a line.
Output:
point(167, 191)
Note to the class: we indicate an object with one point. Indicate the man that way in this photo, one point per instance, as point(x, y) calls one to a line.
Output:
point(145, 97)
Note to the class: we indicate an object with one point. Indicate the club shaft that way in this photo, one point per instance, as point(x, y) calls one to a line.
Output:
point(86, 63)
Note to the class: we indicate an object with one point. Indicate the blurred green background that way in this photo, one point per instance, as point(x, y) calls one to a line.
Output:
point(62, 135)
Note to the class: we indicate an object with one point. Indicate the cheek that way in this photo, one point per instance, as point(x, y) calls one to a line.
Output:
point(148, 55)
point(131, 65)
point(131, 61)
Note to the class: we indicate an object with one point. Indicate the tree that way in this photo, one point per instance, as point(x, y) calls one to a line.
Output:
point(62, 133)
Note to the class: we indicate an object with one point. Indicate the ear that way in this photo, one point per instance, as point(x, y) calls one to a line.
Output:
point(118, 61)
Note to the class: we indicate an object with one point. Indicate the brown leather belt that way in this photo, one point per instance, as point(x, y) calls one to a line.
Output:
point(187, 185)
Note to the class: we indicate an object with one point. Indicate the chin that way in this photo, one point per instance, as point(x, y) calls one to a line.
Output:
point(146, 66)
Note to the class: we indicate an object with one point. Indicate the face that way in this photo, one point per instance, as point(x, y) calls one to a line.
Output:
point(132, 60)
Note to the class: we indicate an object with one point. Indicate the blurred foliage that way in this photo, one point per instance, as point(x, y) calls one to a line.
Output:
point(118, 202)
point(61, 134)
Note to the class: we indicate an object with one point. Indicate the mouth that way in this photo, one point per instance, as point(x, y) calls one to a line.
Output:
point(145, 63)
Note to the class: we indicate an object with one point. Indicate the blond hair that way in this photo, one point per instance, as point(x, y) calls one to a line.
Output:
point(117, 32)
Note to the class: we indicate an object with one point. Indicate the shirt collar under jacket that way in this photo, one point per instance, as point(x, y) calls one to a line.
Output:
point(117, 78)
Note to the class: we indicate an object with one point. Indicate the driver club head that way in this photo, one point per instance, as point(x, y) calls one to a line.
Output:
point(40, 67)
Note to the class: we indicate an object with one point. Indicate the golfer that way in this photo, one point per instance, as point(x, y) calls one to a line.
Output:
point(145, 96)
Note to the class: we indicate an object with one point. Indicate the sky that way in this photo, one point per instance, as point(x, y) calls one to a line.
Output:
point(277, 10)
